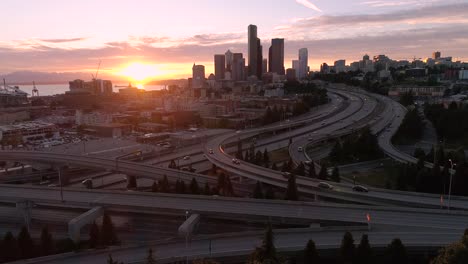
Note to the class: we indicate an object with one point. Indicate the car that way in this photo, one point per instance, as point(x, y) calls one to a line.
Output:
point(211, 151)
point(325, 185)
point(286, 174)
point(360, 188)
point(310, 138)
point(300, 149)
point(186, 157)
point(236, 161)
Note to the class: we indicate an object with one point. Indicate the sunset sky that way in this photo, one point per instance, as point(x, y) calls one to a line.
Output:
point(164, 38)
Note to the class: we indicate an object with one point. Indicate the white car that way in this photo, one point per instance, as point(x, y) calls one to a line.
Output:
point(325, 185)
point(300, 149)
point(186, 157)
point(211, 151)
point(236, 161)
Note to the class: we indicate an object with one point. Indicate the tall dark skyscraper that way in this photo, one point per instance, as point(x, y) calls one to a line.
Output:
point(198, 76)
point(259, 59)
point(238, 67)
point(220, 66)
point(276, 56)
point(228, 55)
point(253, 50)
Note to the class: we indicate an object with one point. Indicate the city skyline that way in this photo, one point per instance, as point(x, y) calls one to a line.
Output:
point(330, 30)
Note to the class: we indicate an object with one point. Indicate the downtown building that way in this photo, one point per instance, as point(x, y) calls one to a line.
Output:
point(220, 66)
point(276, 57)
point(255, 57)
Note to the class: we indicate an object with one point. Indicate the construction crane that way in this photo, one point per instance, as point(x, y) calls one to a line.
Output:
point(35, 91)
point(97, 71)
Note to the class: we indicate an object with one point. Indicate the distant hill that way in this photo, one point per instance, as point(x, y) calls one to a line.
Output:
point(179, 82)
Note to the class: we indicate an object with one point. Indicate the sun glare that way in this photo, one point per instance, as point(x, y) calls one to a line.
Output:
point(139, 72)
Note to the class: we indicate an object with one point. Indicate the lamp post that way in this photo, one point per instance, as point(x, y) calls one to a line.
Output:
point(61, 184)
point(450, 184)
point(186, 239)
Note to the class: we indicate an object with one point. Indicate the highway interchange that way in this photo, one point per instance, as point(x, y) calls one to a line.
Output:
point(349, 110)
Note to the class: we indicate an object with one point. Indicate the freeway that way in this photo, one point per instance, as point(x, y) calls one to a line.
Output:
point(242, 244)
point(205, 205)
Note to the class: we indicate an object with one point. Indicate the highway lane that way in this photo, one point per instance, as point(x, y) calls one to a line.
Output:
point(205, 205)
point(243, 244)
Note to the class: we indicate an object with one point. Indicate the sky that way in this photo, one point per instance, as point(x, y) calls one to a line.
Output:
point(164, 38)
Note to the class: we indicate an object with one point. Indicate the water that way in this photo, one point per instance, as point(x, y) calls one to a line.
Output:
point(52, 89)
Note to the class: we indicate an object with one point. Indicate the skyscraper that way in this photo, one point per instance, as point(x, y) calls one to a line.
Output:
point(436, 55)
point(228, 56)
point(220, 63)
point(303, 63)
point(198, 76)
point(276, 56)
point(295, 66)
point(253, 50)
point(259, 59)
point(264, 66)
point(238, 67)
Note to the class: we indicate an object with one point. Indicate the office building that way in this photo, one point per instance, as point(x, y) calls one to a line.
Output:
point(198, 76)
point(228, 56)
point(259, 59)
point(238, 67)
point(340, 66)
point(264, 66)
point(253, 50)
point(220, 66)
point(276, 56)
point(303, 63)
point(436, 55)
point(291, 75)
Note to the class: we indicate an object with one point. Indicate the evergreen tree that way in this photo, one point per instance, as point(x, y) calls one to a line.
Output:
point(194, 188)
point(258, 158)
point(323, 174)
point(347, 248)
point(132, 182)
point(258, 193)
point(164, 185)
point(172, 165)
point(221, 182)
point(419, 152)
point(150, 259)
point(269, 193)
point(94, 235)
point(25, 243)
point(207, 190)
point(110, 260)
point(335, 175)
point(239, 150)
point(396, 253)
point(336, 153)
point(291, 190)
point(266, 157)
point(9, 249)
point(364, 251)
point(311, 255)
point(47, 242)
point(108, 235)
point(183, 188)
point(300, 169)
point(312, 173)
point(274, 167)
point(454, 253)
point(267, 252)
point(214, 168)
point(229, 189)
point(154, 187)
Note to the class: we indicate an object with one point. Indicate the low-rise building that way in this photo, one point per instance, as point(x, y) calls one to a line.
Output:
point(27, 131)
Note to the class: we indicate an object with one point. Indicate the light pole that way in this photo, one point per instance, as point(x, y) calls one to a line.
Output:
point(61, 184)
point(186, 239)
point(450, 184)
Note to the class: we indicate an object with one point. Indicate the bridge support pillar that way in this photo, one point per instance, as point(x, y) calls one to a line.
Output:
point(25, 207)
point(188, 227)
point(75, 225)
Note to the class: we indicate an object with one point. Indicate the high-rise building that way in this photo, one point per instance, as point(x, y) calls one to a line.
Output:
point(219, 63)
point(253, 50)
point(259, 59)
point(291, 74)
point(340, 66)
point(276, 56)
point(303, 63)
point(264, 66)
point(295, 66)
point(436, 55)
point(238, 67)
point(228, 56)
point(324, 68)
point(198, 76)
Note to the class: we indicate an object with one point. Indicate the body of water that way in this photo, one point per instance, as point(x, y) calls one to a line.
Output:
point(52, 89)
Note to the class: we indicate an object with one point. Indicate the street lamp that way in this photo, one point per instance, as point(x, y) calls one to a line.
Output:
point(186, 239)
point(450, 184)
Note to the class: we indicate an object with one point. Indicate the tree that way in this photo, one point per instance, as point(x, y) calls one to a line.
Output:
point(239, 150)
point(269, 193)
point(311, 255)
point(150, 259)
point(206, 190)
point(312, 173)
point(183, 188)
point(172, 165)
point(323, 174)
point(274, 167)
point(25, 243)
point(9, 249)
point(364, 251)
point(110, 260)
point(194, 188)
point(94, 235)
point(300, 169)
point(336, 153)
point(47, 242)
point(396, 252)
point(454, 253)
point(164, 186)
point(335, 175)
point(266, 253)
point(258, 157)
point(258, 193)
point(108, 235)
point(154, 187)
point(347, 248)
point(132, 182)
point(266, 157)
point(291, 190)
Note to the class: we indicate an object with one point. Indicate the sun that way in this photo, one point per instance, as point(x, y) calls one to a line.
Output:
point(139, 72)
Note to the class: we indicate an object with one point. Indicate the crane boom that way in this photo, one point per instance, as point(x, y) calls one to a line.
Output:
point(97, 71)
